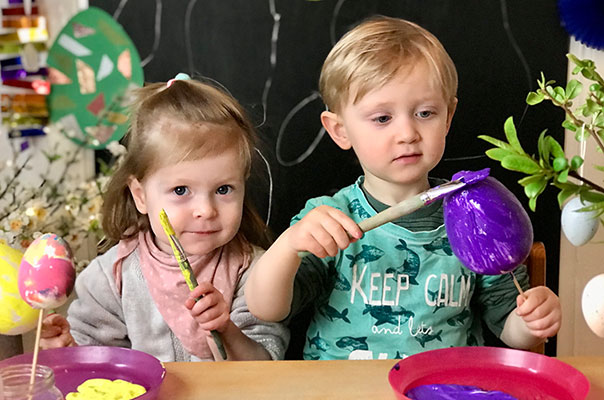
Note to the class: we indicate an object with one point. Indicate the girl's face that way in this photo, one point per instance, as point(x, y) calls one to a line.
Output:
point(203, 199)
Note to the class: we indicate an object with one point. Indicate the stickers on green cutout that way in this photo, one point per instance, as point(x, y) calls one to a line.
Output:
point(92, 63)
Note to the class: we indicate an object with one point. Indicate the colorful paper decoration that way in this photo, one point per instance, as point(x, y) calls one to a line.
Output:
point(22, 71)
point(583, 19)
point(92, 64)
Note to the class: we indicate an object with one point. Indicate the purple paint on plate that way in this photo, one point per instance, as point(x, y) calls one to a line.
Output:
point(455, 392)
point(488, 229)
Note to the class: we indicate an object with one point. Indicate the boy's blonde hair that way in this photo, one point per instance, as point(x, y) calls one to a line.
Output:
point(369, 55)
point(182, 122)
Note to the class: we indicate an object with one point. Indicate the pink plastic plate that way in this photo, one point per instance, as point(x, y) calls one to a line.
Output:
point(74, 365)
point(522, 374)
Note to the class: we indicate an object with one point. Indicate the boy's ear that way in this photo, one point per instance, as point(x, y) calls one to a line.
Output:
point(450, 113)
point(332, 124)
point(138, 194)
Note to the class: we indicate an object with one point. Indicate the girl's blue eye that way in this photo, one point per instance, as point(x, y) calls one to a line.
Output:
point(180, 190)
point(224, 189)
point(382, 119)
point(424, 114)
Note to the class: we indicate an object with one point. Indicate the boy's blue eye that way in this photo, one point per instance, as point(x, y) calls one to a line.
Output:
point(382, 119)
point(180, 190)
point(224, 189)
point(424, 114)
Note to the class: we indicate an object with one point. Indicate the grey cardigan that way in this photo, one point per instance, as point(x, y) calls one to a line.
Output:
point(101, 316)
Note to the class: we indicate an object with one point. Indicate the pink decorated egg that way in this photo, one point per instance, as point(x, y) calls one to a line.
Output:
point(46, 274)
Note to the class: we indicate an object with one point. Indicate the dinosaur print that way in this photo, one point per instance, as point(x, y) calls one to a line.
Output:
point(366, 255)
point(410, 265)
point(388, 314)
point(332, 314)
point(342, 283)
point(353, 343)
point(439, 244)
point(460, 318)
point(425, 338)
point(318, 342)
point(355, 208)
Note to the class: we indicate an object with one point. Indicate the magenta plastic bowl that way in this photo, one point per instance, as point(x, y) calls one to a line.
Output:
point(522, 374)
point(74, 365)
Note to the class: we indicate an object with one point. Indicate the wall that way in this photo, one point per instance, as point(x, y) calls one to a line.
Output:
point(579, 264)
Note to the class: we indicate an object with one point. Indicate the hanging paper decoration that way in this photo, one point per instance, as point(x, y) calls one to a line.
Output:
point(584, 19)
point(92, 64)
point(23, 71)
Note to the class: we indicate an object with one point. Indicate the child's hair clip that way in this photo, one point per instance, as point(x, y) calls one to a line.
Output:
point(181, 76)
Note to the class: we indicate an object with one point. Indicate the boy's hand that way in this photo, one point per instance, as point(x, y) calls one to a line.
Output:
point(541, 311)
point(211, 311)
point(55, 333)
point(323, 231)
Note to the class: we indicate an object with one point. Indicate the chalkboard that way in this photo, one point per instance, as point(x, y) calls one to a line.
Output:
point(268, 54)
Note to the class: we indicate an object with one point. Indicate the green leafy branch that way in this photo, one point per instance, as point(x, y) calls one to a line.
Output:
point(551, 167)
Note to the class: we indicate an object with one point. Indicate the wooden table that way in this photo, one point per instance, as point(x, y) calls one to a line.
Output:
point(309, 379)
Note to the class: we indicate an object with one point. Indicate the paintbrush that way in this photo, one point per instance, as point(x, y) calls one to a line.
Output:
point(416, 202)
point(185, 268)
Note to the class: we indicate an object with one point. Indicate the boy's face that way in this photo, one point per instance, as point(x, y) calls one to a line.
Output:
point(203, 199)
point(397, 132)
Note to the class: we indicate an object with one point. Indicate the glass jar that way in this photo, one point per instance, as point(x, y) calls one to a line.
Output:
point(14, 383)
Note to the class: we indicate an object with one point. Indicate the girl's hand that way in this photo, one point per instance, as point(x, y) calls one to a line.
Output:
point(55, 333)
point(211, 311)
point(323, 231)
point(541, 311)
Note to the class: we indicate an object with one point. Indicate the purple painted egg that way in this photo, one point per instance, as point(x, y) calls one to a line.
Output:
point(488, 229)
point(46, 274)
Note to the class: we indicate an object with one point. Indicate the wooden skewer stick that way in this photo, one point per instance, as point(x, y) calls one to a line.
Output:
point(34, 362)
point(517, 284)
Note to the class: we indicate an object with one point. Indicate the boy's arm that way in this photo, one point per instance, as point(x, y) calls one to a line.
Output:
point(323, 232)
point(270, 286)
point(537, 317)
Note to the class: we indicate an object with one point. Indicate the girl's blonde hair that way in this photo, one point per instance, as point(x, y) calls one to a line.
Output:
point(372, 53)
point(182, 122)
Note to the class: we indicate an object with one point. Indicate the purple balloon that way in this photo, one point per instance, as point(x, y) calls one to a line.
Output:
point(488, 229)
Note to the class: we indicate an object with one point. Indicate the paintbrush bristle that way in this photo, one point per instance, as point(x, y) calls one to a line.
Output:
point(165, 223)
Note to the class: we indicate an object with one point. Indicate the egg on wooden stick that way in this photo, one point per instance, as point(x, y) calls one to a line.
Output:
point(46, 273)
point(46, 279)
point(488, 229)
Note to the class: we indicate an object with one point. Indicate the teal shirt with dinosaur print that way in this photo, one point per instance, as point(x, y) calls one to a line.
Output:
point(395, 292)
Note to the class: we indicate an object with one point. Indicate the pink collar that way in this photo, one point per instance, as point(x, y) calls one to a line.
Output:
point(223, 268)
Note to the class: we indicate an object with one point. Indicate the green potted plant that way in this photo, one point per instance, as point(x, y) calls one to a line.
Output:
point(551, 166)
point(581, 199)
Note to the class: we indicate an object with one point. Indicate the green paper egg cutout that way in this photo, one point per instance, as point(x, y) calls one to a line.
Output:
point(92, 63)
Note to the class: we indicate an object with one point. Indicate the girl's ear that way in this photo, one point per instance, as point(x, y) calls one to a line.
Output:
point(336, 130)
point(138, 194)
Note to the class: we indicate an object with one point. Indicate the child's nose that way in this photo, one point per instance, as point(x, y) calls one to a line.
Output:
point(406, 131)
point(204, 209)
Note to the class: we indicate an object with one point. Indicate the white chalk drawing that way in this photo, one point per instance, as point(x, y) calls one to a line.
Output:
point(156, 29)
point(314, 96)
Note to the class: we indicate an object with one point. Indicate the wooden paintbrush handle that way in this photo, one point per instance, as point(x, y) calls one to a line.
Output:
point(388, 215)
